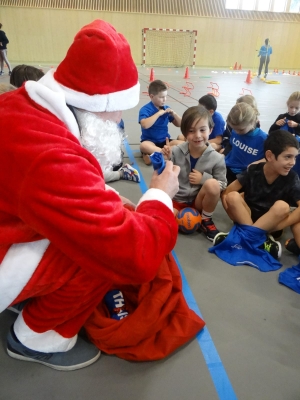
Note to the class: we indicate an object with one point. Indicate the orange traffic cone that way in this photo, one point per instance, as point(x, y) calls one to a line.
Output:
point(187, 73)
point(240, 66)
point(151, 79)
point(248, 79)
point(235, 66)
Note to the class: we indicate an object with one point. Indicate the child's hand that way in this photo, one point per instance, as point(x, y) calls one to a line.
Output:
point(166, 150)
point(280, 122)
point(195, 177)
point(292, 124)
point(170, 111)
point(161, 112)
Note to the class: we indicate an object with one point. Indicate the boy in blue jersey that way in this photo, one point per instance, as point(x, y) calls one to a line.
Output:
point(215, 138)
point(154, 118)
point(269, 190)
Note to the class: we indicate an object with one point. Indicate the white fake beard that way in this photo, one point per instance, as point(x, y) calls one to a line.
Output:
point(101, 138)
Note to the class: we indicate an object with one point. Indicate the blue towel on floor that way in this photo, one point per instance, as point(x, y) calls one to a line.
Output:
point(291, 278)
point(241, 248)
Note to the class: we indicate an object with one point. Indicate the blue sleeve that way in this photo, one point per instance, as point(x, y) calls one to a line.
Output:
point(144, 113)
point(219, 126)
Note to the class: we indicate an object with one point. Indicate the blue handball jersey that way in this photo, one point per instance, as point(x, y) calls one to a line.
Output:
point(245, 149)
point(158, 132)
point(219, 125)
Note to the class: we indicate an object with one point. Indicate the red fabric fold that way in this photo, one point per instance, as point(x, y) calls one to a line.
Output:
point(159, 319)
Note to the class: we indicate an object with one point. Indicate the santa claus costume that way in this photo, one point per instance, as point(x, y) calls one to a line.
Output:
point(64, 237)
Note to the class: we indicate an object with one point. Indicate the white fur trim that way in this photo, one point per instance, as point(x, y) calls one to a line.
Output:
point(55, 102)
point(47, 342)
point(17, 267)
point(159, 195)
point(117, 101)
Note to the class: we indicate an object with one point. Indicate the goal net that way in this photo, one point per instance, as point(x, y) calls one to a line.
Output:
point(169, 47)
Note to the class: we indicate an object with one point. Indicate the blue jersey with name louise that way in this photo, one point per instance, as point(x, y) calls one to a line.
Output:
point(245, 149)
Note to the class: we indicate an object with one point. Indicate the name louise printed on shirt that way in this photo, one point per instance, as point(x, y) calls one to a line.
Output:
point(244, 147)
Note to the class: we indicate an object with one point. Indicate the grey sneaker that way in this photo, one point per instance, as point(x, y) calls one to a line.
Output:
point(80, 356)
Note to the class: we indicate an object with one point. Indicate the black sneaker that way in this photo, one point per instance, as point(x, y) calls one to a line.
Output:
point(208, 227)
point(80, 356)
point(272, 247)
point(18, 307)
point(220, 237)
point(277, 234)
point(292, 246)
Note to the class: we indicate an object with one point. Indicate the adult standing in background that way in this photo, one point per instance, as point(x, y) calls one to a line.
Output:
point(3, 51)
point(264, 54)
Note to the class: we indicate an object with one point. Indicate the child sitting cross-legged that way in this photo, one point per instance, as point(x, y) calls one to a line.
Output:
point(154, 118)
point(269, 189)
point(202, 174)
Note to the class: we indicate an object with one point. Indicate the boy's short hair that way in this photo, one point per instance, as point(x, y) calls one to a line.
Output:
point(156, 87)
point(193, 114)
point(22, 73)
point(278, 141)
point(209, 102)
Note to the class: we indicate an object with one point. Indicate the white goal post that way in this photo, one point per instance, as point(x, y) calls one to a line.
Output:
point(169, 47)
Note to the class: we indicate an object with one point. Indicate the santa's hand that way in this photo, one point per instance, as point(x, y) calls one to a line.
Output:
point(167, 180)
point(128, 202)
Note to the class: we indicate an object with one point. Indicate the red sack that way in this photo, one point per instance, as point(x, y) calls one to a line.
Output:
point(159, 319)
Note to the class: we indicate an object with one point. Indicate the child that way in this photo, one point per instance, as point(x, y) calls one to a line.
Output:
point(22, 73)
point(215, 138)
point(290, 120)
point(202, 174)
point(264, 54)
point(246, 140)
point(249, 99)
point(270, 188)
point(154, 118)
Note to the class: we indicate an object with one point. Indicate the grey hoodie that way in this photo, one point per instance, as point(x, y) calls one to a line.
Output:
point(211, 164)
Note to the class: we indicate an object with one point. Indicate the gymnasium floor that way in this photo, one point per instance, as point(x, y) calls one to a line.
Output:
point(250, 348)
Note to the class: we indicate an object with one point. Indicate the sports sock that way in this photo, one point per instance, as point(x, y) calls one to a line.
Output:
point(206, 215)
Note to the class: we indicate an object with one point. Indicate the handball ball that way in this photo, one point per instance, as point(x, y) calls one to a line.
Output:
point(188, 220)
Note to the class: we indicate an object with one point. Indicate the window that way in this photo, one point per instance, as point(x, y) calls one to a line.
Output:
point(279, 5)
point(263, 5)
point(295, 6)
point(292, 6)
point(232, 4)
point(248, 5)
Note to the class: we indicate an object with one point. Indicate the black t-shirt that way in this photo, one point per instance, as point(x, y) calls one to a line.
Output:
point(295, 118)
point(260, 196)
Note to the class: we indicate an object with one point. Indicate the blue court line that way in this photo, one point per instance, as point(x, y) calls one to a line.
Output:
point(213, 361)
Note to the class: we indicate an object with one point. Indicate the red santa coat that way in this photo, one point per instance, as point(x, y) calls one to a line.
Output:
point(52, 190)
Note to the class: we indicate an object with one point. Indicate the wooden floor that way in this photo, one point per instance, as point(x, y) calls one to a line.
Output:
point(250, 347)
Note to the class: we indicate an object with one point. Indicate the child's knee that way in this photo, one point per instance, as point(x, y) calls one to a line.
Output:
point(233, 198)
point(281, 209)
point(212, 186)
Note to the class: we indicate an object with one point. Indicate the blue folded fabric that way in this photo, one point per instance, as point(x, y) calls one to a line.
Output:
point(291, 278)
point(241, 247)
point(158, 162)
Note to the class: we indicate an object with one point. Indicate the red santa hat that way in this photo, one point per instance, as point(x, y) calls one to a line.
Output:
point(98, 72)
